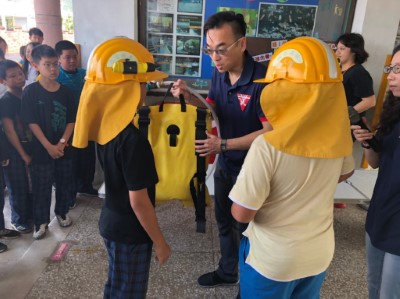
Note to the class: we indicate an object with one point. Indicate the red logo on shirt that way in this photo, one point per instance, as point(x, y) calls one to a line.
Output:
point(243, 100)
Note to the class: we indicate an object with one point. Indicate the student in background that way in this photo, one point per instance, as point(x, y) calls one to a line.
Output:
point(383, 217)
point(36, 35)
point(3, 87)
point(357, 81)
point(22, 55)
point(4, 161)
point(48, 109)
point(19, 137)
point(3, 45)
point(84, 160)
point(30, 71)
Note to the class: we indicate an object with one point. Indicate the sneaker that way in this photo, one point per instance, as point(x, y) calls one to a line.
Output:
point(21, 228)
point(9, 233)
point(211, 280)
point(40, 231)
point(91, 192)
point(3, 247)
point(64, 220)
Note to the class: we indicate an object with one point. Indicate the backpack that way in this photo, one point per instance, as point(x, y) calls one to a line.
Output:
point(172, 128)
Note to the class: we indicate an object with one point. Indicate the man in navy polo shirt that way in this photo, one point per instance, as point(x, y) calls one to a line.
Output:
point(236, 101)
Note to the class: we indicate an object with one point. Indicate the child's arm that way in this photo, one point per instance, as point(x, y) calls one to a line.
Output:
point(54, 151)
point(144, 210)
point(69, 128)
point(8, 126)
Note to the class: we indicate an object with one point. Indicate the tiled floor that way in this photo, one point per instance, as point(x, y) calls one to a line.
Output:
point(26, 270)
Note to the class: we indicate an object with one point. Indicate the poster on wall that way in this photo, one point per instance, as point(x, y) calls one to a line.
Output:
point(189, 24)
point(285, 21)
point(174, 35)
point(193, 6)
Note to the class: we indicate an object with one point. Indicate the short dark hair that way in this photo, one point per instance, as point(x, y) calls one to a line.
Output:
point(64, 45)
point(356, 43)
point(35, 31)
point(6, 65)
point(2, 55)
point(236, 21)
point(41, 51)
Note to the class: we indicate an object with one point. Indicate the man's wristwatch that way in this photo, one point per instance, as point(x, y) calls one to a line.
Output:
point(223, 145)
point(62, 141)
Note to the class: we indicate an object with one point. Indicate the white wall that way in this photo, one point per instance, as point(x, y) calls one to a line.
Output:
point(98, 20)
point(378, 22)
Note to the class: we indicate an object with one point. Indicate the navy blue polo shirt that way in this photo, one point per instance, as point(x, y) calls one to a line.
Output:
point(383, 218)
point(238, 108)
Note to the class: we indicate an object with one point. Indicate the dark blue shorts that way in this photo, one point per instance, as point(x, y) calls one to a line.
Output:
point(128, 270)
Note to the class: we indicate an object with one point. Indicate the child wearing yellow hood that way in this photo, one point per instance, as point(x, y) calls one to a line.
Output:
point(286, 186)
point(128, 222)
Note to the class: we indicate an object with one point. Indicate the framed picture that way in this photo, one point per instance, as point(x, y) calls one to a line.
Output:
point(285, 21)
point(188, 45)
point(160, 22)
point(163, 63)
point(187, 66)
point(160, 43)
point(189, 24)
point(191, 6)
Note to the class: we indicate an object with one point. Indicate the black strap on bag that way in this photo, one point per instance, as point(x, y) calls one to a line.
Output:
point(144, 120)
point(199, 197)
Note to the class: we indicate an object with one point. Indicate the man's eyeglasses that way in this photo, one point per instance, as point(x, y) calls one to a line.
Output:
point(51, 65)
point(221, 51)
point(395, 69)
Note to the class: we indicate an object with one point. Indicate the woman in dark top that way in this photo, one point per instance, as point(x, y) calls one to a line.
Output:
point(383, 218)
point(357, 81)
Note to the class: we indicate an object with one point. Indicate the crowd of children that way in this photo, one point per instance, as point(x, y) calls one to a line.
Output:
point(39, 97)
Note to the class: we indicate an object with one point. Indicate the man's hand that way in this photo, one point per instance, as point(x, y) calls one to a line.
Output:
point(180, 88)
point(211, 145)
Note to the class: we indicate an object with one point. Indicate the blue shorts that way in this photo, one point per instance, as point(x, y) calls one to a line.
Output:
point(253, 285)
point(128, 270)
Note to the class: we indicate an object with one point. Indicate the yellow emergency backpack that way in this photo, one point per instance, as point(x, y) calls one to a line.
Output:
point(172, 128)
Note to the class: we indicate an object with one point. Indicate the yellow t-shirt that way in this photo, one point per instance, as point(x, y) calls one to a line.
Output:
point(291, 236)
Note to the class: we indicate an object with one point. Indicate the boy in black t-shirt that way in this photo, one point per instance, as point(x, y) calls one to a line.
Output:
point(19, 137)
point(128, 223)
point(4, 162)
point(48, 108)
